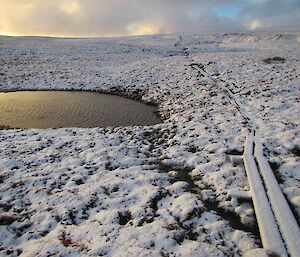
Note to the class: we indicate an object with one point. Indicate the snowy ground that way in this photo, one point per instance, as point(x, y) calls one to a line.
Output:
point(162, 190)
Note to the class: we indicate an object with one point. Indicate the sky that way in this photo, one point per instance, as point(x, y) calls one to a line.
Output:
point(84, 18)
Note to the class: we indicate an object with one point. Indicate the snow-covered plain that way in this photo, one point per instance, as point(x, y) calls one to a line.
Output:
point(162, 190)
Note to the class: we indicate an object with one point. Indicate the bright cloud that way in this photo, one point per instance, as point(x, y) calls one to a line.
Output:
point(70, 7)
point(143, 28)
point(138, 17)
point(255, 24)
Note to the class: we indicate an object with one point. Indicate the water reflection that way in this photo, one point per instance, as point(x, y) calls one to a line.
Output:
point(45, 109)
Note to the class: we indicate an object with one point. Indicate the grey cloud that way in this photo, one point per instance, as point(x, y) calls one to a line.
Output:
point(124, 17)
point(275, 14)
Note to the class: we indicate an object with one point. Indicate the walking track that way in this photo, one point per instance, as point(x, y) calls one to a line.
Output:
point(278, 227)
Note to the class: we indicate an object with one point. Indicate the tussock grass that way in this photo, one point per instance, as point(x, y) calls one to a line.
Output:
point(275, 59)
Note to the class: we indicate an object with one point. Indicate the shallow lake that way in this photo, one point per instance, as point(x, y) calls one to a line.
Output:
point(47, 109)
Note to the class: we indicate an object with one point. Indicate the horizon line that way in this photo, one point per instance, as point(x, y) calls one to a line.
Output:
point(158, 34)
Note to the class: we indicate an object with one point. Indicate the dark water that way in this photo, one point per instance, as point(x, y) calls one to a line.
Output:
point(47, 109)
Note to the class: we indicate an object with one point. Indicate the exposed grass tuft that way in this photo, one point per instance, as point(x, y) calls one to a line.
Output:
point(275, 59)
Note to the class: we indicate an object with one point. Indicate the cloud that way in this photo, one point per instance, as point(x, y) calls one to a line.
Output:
point(272, 14)
point(132, 17)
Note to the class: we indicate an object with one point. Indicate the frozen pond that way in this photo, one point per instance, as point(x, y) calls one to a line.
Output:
point(47, 109)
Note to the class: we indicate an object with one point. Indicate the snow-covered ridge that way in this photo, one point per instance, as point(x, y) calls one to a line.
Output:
point(159, 190)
